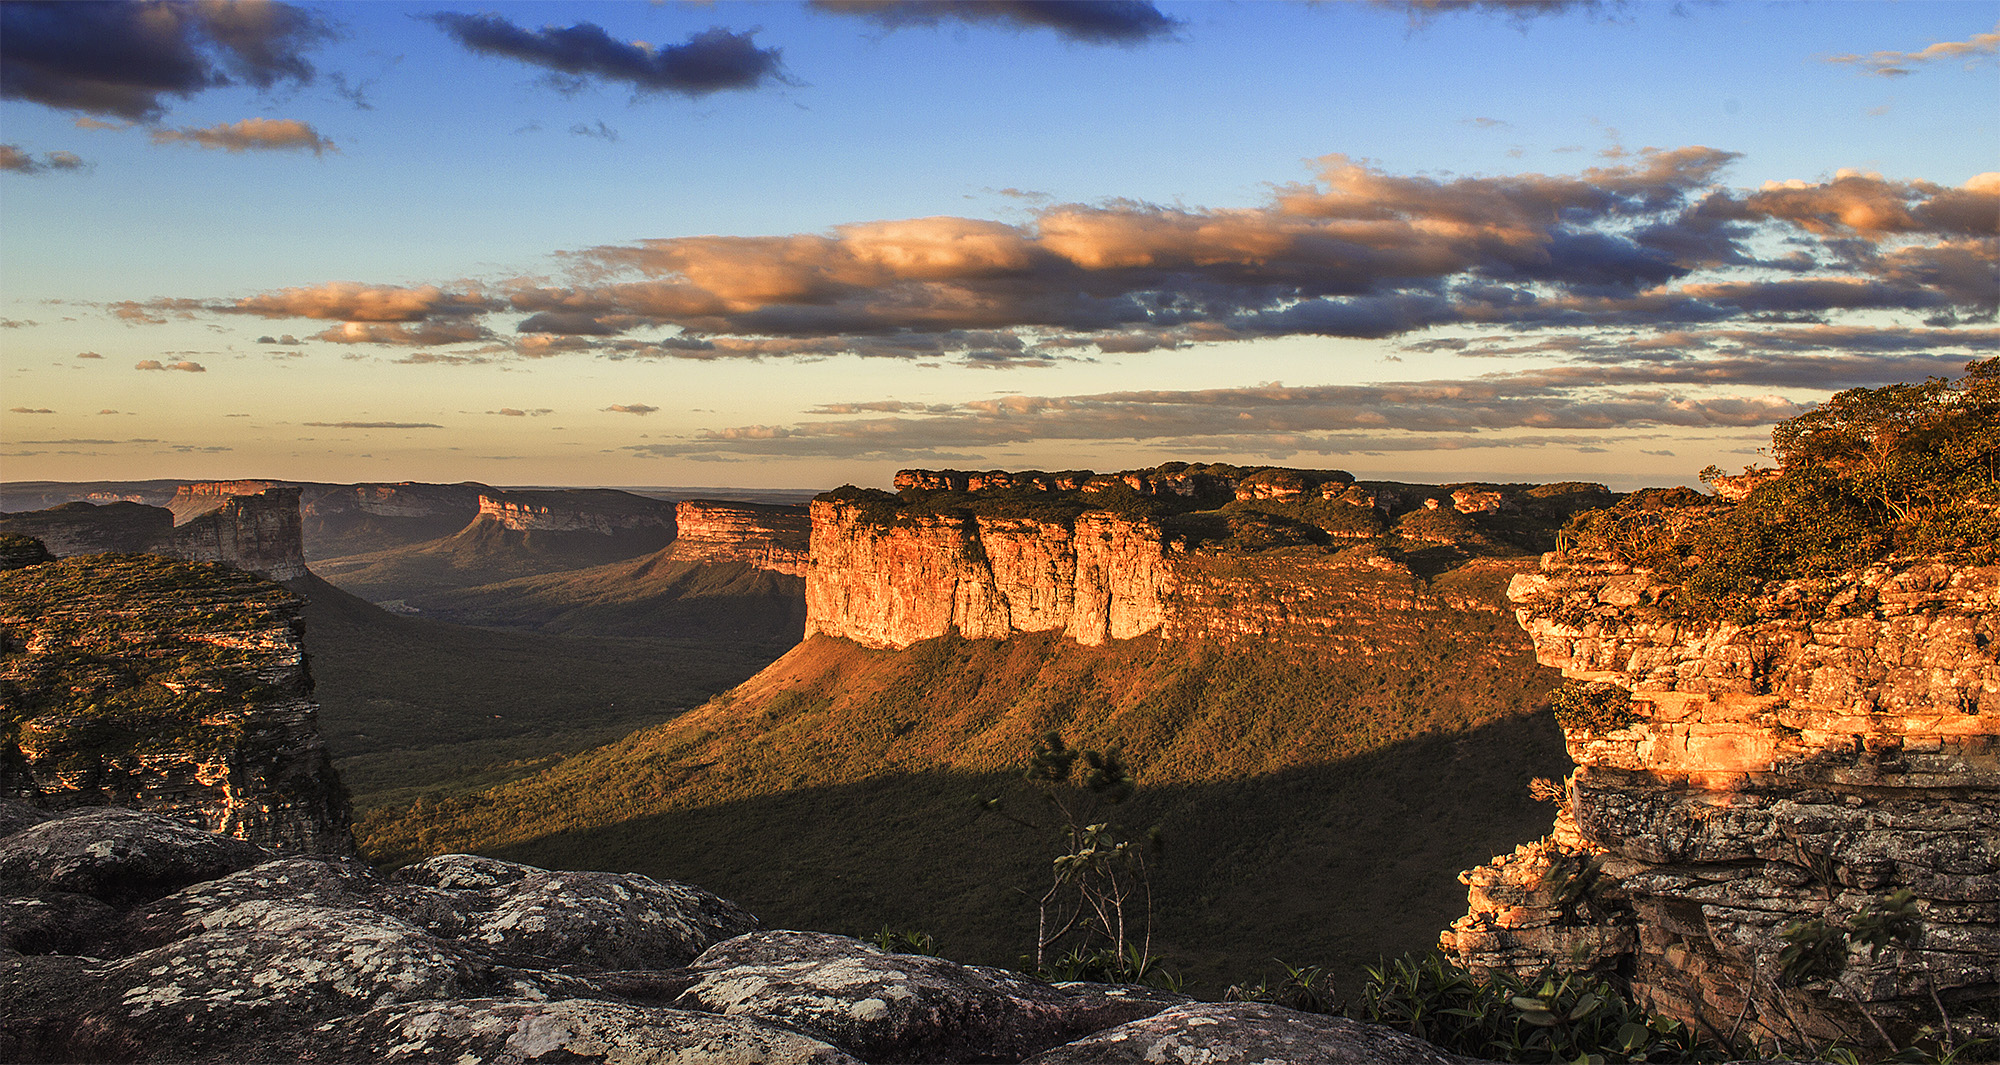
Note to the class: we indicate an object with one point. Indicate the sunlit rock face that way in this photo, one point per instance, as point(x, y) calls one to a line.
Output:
point(171, 686)
point(601, 511)
point(1841, 746)
point(768, 536)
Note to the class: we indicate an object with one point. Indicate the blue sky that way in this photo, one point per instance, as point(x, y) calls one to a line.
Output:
point(1438, 241)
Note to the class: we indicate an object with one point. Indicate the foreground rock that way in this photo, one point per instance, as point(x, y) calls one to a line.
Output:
point(129, 936)
point(1836, 746)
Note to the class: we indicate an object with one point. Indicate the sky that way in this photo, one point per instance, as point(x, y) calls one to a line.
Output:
point(808, 244)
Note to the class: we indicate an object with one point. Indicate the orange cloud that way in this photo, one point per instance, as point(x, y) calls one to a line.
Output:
point(251, 134)
point(184, 366)
point(352, 301)
point(1889, 64)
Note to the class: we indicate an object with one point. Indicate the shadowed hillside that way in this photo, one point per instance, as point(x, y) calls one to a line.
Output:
point(410, 706)
point(1315, 807)
point(481, 553)
point(658, 595)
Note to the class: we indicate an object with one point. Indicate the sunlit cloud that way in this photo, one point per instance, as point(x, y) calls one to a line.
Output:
point(373, 425)
point(251, 134)
point(185, 366)
point(13, 159)
point(632, 408)
point(1891, 64)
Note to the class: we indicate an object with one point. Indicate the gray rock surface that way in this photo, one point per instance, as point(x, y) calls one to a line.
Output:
point(506, 1032)
point(117, 855)
point(896, 1007)
point(1222, 1033)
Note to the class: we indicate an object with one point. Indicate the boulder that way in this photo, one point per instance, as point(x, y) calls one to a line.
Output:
point(1220, 1033)
point(118, 856)
point(507, 1031)
point(896, 1007)
point(599, 920)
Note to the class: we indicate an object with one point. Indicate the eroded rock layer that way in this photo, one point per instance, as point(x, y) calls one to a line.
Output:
point(765, 535)
point(137, 680)
point(1842, 746)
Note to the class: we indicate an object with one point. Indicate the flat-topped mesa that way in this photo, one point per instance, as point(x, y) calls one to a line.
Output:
point(193, 500)
point(603, 511)
point(91, 529)
point(256, 533)
point(164, 685)
point(402, 499)
point(766, 535)
point(1176, 550)
point(1738, 778)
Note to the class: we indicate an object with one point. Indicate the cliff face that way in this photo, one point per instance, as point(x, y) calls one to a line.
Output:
point(767, 536)
point(1102, 578)
point(602, 511)
point(194, 500)
point(255, 533)
point(1844, 745)
point(177, 687)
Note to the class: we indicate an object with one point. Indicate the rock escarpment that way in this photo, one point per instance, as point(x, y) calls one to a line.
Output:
point(259, 532)
point(765, 535)
point(128, 936)
point(1841, 745)
point(90, 529)
point(1181, 551)
point(603, 511)
point(181, 687)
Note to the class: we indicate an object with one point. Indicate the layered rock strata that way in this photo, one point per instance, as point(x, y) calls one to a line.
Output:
point(91, 529)
point(127, 936)
point(1840, 747)
point(257, 533)
point(765, 535)
point(603, 511)
point(170, 686)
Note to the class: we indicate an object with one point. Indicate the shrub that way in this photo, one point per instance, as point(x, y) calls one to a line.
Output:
point(1594, 708)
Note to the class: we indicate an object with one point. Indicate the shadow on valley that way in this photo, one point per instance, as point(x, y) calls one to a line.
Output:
point(1336, 864)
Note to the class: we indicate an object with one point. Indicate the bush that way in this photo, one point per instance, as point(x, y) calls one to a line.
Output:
point(1594, 708)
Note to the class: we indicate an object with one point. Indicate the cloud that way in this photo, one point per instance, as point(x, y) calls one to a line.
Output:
point(124, 59)
point(1422, 12)
point(512, 412)
point(632, 408)
point(1899, 64)
point(88, 355)
point(352, 301)
point(21, 162)
point(108, 410)
point(711, 61)
point(30, 410)
point(1123, 22)
point(288, 340)
point(184, 366)
point(251, 134)
point(600, 131)
point(373, 425)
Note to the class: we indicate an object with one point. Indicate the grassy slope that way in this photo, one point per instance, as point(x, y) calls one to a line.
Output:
point(411, 706)
point(482, 552)
point(1317, 806)
point(656, 595)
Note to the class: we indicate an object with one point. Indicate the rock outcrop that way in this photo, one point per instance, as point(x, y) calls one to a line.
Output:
point(257, 533)
point(765, 535)
point(1842, 745)
point(604, 511)
point(180, 687)
point(1181, 551)
point(127, 936)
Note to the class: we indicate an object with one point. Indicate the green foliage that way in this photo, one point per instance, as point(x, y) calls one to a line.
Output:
point(1594, 708)
point(1096, 872)
point(1818, 949)
point(1869, 474)
point(1554, 1018)
point(903, 941)
point(1308, 989)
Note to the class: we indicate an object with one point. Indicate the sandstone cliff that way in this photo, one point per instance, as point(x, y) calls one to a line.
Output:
point(603, 511)
point(90, 529)
point(1798, 768)
point(767, 536)
point(255, 533)
point(1181, 551)
point(181, 687)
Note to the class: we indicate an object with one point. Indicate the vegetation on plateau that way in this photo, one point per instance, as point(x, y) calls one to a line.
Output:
point(1872, 473)
point(134, 653)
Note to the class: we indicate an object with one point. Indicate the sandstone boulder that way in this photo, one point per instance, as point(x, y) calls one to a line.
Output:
point(507, 1031)
point(1249, 1032)
point(117, 856)
point(896, 1007)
